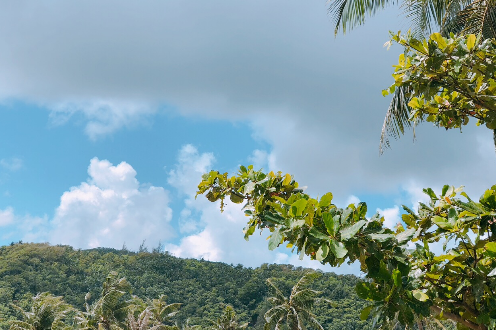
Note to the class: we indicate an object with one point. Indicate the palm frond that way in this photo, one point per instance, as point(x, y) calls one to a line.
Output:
point(477, 17)
point(396, 119)
point(349, 14)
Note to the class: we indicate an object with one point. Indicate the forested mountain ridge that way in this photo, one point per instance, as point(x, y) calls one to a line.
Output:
point(202, 287)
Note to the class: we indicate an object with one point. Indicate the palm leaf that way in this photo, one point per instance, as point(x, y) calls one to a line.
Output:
point(349, 14)
point(397, 118)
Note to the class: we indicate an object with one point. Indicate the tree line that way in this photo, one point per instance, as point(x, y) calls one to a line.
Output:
point(30, 273)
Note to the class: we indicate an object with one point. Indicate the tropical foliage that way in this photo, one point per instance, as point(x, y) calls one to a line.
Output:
point(295, 310)
point(408, 279)
point(158, 279)
point(46, 312)
point(228, 321)
point(448, 80)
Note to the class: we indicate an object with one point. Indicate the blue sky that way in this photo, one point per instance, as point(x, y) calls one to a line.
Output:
point(111, 111)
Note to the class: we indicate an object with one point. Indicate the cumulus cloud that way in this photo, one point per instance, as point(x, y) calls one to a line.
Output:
point(215, 236)
point(6, 216)
point(391, 216)
point(111, 209)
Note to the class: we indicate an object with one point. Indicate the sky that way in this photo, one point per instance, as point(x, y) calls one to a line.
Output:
point(110, 112)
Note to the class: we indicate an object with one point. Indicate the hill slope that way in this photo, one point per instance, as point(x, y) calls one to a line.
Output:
point(202, 286)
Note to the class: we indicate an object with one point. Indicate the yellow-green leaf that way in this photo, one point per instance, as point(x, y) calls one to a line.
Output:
point(470, 41)
point(441, 42)
point(287, 180)
point(419, 295)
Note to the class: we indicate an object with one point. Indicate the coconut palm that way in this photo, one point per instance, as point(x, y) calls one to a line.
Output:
point(426, 16)
point(162, 313)
point(144, 321)
point(228, 321)
point(110, 311)
point(47, 312)
point(295, 310)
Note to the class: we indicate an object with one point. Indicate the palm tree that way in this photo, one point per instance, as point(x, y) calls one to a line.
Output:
point(144, 321)
point(228, 321)
point(48, 312)
point(295, 310)
point(111, 310)
point(426, 16)
point(162, 312)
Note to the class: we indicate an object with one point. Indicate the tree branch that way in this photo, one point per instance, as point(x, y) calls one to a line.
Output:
point(458, 318)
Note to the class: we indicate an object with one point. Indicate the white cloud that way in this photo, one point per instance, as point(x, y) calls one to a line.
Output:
point(391, 216)
point(6, 216)
point(190, 167)
point(102, 117)
point(352, 199)
point(219, 236)
point(110, 209)
point(11, 164)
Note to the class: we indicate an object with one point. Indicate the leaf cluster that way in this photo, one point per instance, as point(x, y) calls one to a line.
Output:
point(447, 81)
point(405, 279)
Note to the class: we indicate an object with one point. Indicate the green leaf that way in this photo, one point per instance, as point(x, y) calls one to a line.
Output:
point(491, 249)
point(492, 272)
point(442, 222)
point(419, 295)
point(470, 41)
point(331, 223)
point(322, 252)
point(275, 239)
point(381, 237)
point(349, 232)
point(317, 234)
point(441, 42)
point(298, 207)
point(325, 200)
point(431, 193)
point(397, 277)
point(338, 249)
point(406, 235)
point(362, 290)
point(287, 180)
point(364, 315)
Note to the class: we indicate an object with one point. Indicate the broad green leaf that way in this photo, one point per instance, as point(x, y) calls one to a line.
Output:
point(325, 200)
point(397, 278)
point(249, 231)
point(349, 232)
point(275, 239)
point(419, 295)
point(491, 248)
point(249, 187)
point(381, 237)
point(317, 234)
point(366, 312)
point(444, 257)
point(406, 235)
point(470, 41)
point(322, 252)
point(338, 249)
point(442, 222)
point(441, 42)
point(287, 180)
point(331, 223)
point(298, 207)
point(362, 290)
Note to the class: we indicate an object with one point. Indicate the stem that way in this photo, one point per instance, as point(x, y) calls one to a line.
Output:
point(458, 318)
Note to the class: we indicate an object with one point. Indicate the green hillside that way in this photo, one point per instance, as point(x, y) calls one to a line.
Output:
point(202, 287)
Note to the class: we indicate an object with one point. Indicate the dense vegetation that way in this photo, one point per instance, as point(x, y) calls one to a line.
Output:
point(204, 288)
